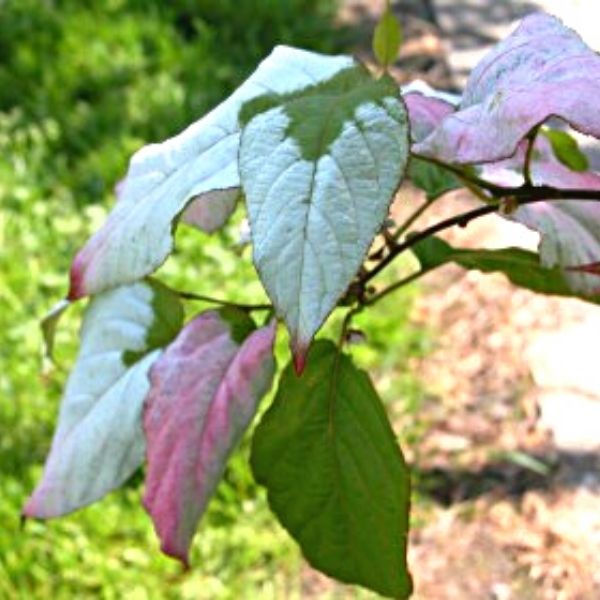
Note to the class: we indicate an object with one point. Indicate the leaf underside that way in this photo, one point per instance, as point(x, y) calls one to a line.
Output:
point(521, 267)
point(542, 70)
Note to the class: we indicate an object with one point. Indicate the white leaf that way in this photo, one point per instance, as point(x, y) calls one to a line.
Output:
point(163, 178)
point(99, 439)
point(319, 171)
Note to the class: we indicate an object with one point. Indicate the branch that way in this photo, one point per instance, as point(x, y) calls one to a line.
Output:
point(528, 195)
point(462, 174)
point(531, 137)
point(395, 286)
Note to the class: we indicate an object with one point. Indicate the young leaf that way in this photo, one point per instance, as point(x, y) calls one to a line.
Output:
point(99, 441)
point(387, 39)
point(543, 69)
point(566, 149)
point(520, 266)
point(319, 169)
point(334, 474)
point(204, 392)
point(164, 178)
point(49, 324)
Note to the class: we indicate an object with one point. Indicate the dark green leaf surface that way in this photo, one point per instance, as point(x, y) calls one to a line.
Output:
point(522, 267)
point(334, 473)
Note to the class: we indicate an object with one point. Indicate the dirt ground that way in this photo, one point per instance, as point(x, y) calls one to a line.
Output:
point(509, 469)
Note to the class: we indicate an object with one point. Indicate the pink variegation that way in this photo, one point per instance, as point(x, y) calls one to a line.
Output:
point(427, 108)
point(570, 229)
point(204, 392)
point(425, 114)
point(542, 70)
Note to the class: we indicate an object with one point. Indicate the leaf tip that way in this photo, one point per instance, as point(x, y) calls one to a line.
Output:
point(591, 268)
point(300, 352)
point(178, 554)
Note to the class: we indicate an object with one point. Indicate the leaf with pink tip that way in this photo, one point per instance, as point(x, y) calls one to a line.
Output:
point(569, 229)
point(542, 70)
point(205, 390)
point(99, 439)
point(196, 169)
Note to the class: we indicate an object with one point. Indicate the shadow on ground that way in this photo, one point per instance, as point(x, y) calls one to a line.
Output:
point(507, 478)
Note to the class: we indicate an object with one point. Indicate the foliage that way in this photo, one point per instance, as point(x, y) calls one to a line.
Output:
point(55, 184)
point(317, 147)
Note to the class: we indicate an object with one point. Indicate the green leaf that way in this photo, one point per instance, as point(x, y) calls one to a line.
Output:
point(387, 39)
point(430, 178)
point(334, 473)
point(522, 267)
point(319, 170)
point(567, 150)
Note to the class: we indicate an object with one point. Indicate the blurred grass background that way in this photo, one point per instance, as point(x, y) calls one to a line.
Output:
point(83, 84)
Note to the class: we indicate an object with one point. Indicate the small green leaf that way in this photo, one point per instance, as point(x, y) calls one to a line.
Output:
point(567, 150)
point(522, 267)
point(387, 39)
point(49, 324)
point(334, 474)
point(430, 178)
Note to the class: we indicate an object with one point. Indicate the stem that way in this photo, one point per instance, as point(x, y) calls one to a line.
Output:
point(461, 174)
point(396, 286)
point(529, 195)
point(411, 220)
point(346, 323)
point(211, 300)
point(531, 137)
point(475, 190)
point(527, 192)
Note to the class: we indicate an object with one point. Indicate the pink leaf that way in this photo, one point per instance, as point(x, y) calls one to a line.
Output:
point(209, 212)
point(204, 393)
point(425, 113)
point(570, 229)
point(543, 69)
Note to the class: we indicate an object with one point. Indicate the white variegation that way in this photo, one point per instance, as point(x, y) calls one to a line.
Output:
point(313, 220)
point(163, 178)
point(99, 440)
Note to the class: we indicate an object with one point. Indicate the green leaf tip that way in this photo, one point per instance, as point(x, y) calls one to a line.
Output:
point(387, 39)
point(49, 325)
point(566, 149)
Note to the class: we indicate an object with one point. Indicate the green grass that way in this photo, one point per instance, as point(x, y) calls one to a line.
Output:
point(80, 90)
